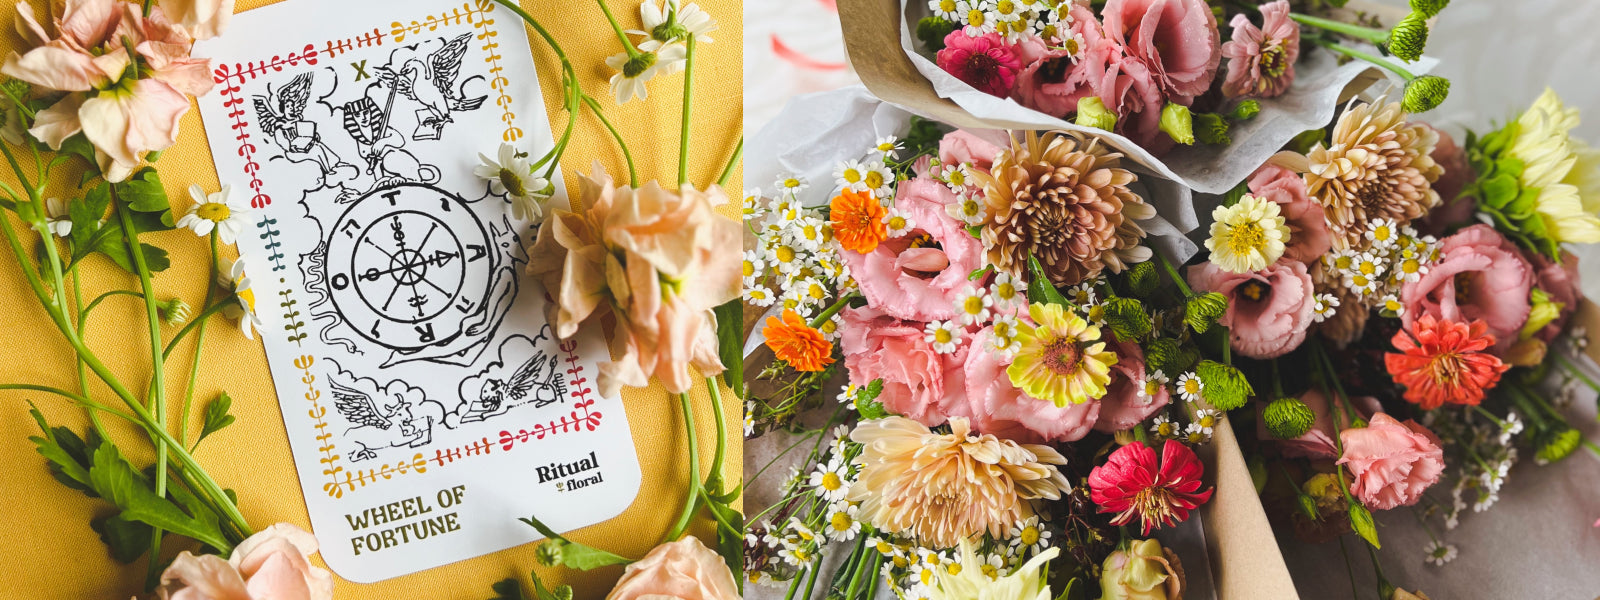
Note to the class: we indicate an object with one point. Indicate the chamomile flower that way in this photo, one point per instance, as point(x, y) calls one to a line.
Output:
point(635, 70)
point(851, 175)
point(945, 9)
point(244, 307)
point(1409, 266)
point(1390, 303)
point(1382, 235)
point(1325, 307)
point(1003, 336)
point(1163, 428)
point(218, 211)
point(1153, 382)
point(749, 419)
point(1190, 386)
point(754, 208)
point(898, 223)
point(796, 555)
point(753, 268)
point(992, 565)
point(842, 524)
point(1439, 553)
point(1206, 420)
point(1365, 273)
point(759, 295)
point(1195, 434)
point(796, 533)
point(831, 481)
point(943, 335)
point(968, 208)
point(877, 178)
point(58, 218)
point(1081, 294)
point(1004, 11)
point(886, 146)
point(785, 257)
point(957, 176)
point(1008, 292)
point(667, 23)
point(1030, 536)
point(974, 20)
point(805, 233)
point(791, 184)
point(830, 329)
point(974, 305)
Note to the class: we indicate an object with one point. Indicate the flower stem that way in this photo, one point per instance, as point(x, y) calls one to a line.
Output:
point(633, 175)
point(832, 310)
point(617, 27)
point(816, 564)
point(78, 399)
point(199, 344)
point(693, 502)
point(1374, 36)
point(1371, 58)
point(733, 161)
point(688, 97)
point(714, 478)
point(158, 380)
point(1172, 272)
point(1577, 372)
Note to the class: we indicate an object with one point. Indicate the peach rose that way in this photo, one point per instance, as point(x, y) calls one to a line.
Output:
point(1392, 462)
point(684, 570)
point(271, 564)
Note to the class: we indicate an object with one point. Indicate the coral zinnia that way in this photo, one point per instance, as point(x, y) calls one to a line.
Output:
point(858, 221)
point(794, 341)
point(1062, 360)
point(1065, 201)
point(1377, 166)
point(1130, 485)
point(944, 488)
point(1444, 361)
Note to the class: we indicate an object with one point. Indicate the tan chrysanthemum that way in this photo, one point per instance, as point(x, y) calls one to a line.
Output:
point(1065, 201)
point(943, 488)
point(1350, 319)
point(1377, 166)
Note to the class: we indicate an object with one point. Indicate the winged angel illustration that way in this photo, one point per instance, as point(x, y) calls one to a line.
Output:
point(282, 116)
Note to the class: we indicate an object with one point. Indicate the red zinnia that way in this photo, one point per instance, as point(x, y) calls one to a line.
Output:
point(984, 62)
point(1444, 361)
point(1129, 484)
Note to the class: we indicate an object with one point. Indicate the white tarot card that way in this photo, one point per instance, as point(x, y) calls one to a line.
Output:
point(427, 402)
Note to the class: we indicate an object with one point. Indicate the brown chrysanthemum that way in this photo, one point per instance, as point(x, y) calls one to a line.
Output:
point(1065, 201)
point(1376, 166)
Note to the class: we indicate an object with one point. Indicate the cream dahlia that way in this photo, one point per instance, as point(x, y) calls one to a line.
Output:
point(943, 488)
point(1065, 201)
point(1376, 165)
point(1247, 236)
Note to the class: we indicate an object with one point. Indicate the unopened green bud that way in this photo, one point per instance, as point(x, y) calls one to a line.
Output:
point(1142, 279)
point(1177, 123)
point(174, 312)
point(1361, 522)
point(1203, 310)
point(562, 592)
point(1429, 8)
point(1409, 37)
point(1308, 507)
point(1225, 387)
point(1558, 444)
point(1288, 418)
point(1246, 110)
point(1211, 129)
point(1128, 318)
point(550, 552)
point(1093, 113)
point(1425, 93)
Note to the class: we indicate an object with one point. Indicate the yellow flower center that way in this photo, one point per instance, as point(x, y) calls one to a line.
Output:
point(248, 298)
point(791, 183)
point(1195, 437)
point(831, 481)
point(1006, 290)
point(874, 179)
point(749, 268)
point(1164, 430)
point(784, 254)
point(956, 177)
point(953, 568)
point(1247, 237)
point(897, 222)
point(975, 18)
point(1253, 290)
point(817, 292)
point(513, 183)
point(852, 175)
point(216, 212)
point(947, 6)
point(840, 522)
point(885, 147)
point(1152, 387)
point(972, 305)
point(1002, 330)
point(1005, 7)
point(1208, 421)
point(990, 571)
point(943, 336)
point(828, 326)
point(1191, 386)
point(1030, 535)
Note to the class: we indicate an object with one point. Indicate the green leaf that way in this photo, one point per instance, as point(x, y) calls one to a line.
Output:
point(562, 592)
point(143, 192)
point(86, 215)
point(78, 145)
point(730, 544)
point(571, 554)
point(115, 480)
point(116, 248)
point(217, 416)
point(65, 452)
point(1040, 290)
point(730, 342)
point(150, 222)
point(507, 589)
point(1361, 521)
point(867, 401)
point(1234, 195)
point(127, 540)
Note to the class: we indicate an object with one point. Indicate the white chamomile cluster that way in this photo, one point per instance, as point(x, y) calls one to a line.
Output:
point(1492, 441)
point(1389, 257)
point(969, 207)
point(870, 174)
point(796, 262)
point(1012, 19)
point(995, 306)
point(912, 570)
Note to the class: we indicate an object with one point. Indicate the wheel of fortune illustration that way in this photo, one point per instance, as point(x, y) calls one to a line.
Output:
point(406, 266)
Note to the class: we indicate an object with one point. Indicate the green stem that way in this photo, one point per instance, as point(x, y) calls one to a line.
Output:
point(832, 310)
point(195, 324)
point(688, 96)
point(1573, 368)
point(622, 36)
point(569, 80)
point(199, 344)
point(816, 564)
point(714, 478)
point(79, 399)
point(83, 315)
point(1348, 568)
point(693, 501)
point(1371, 58)
point(733, 161)
point(83, 372)
point(158, 379)
point(1173, 273)
point(1368, 34)
point(633, 175)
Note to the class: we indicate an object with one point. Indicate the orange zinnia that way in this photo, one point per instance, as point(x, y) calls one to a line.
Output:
point(1444, 361)
point(858, 221)
point(797, 343)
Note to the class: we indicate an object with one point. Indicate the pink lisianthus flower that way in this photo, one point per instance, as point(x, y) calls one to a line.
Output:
point(912, 280)
point(1392, 462)
point(999, 408)
point(918, 383)
point(1308, 226)
point(1269, 311)
point(1560, 281)
point(1480, 276)
point(1261, 59)
point(1054, 81)
point(1125, 405)
point(961, 146)
point(1129, 89)
point(985, 62)
point(125, 104)
point(269, 565)
point(1176, 39)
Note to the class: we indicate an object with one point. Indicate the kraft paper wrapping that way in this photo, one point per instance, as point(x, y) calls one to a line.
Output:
point(881, 50)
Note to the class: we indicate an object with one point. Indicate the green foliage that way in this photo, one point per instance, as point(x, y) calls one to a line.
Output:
point(1040, 290)
point(557, 550)
point(127, 540)
point(1246, 110)
point(1237, 193)
point(67, 455)
point(730, 343)
point(1170, 356)
point(867, 403)
point(115, 480)
point(1128, 318)
point(1211, 129)
point(1557, 443)
point(507, 589)
point(1409, 37)
point(932, 31)
point(217, 417)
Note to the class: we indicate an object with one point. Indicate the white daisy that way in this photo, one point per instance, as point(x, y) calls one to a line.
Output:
point(944, 335)
point(244, 307)
point(1163, 428)
point(633, 72)
point(1008, 292)
point(1391, 303)
point(1206, 420)
point(218, 211)
point(898, 223)
point(945, 9)
point(666, 23)
point(1382, 234)
point(791, 184)
point(1439, 553)
point(968, 208)
point(1030, 535)
point(957, 176)
point(58, 217)
point(1195, 434)
point(1081, 294)
point(759, 295)
point(510, 176)
point(796, 555)
point(1190, 386)
point(806, 233)
point(851, 175)
point(796, 533)
point(974, 20)
point(754, 208)
point(842, 524)
point(877, 177)
point(831, 481)
point(886, 146)
point(1153, 383)
point(753, 268)
point(974, 305)
point(1325, 307)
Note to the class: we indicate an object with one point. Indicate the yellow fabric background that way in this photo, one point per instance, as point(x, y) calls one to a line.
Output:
point(49, 550)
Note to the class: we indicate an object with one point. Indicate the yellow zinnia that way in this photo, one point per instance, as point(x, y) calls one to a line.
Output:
point(1561, 167)
point(1062, 359)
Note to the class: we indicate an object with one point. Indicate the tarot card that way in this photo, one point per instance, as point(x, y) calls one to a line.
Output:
point(427, 402)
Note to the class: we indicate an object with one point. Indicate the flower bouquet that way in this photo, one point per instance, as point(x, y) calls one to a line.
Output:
point(1204, 92)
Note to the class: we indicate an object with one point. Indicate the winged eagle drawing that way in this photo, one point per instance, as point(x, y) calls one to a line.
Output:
point(430, 80)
